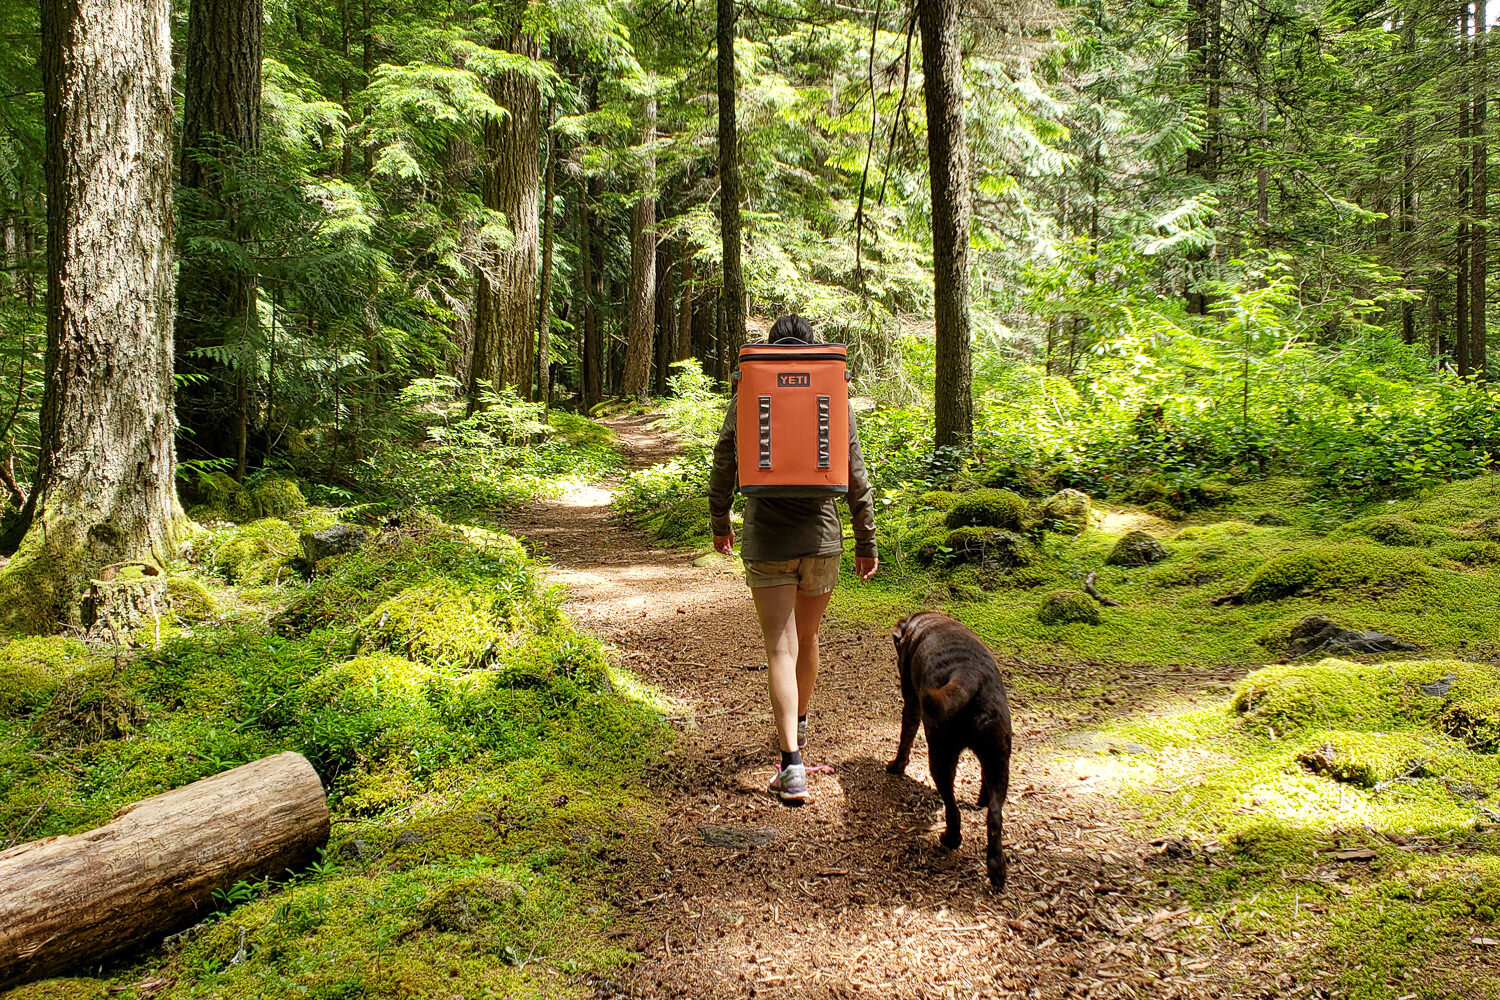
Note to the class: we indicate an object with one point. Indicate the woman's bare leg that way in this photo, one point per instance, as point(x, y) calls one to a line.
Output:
point(776, 609)
point(809, 615)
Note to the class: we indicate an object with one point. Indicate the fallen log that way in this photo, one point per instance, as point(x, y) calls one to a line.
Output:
point(69, 902)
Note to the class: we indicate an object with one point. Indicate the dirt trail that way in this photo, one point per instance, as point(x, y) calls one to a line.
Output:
point(851, 895)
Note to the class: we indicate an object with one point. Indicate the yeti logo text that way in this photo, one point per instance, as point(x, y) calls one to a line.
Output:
point(793, 380)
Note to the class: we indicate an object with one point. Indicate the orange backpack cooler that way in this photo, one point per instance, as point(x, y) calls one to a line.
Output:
point(792, 421)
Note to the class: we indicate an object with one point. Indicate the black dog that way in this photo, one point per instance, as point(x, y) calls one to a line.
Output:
point(950, 681)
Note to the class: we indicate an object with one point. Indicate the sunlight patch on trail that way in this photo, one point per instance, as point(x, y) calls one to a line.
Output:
point(586, 496)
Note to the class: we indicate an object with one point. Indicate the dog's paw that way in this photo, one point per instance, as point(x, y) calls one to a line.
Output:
point(896, 767)
point(996, 869)
point(951, 839)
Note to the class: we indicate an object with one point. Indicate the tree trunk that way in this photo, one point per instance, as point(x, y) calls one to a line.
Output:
point(215, 302)
point(684, 348)
point(1479, 239)
point(636, 381)
point(72, 902)
point(104, 491)
point(1461, 294)
point(592, 354)
point(732, 298)
point(947, 151)
point(1204, 36)
point(544, 307)
point(505, 320)
point(666, 318)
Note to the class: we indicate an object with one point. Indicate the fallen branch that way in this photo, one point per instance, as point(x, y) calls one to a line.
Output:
point(1093, 591)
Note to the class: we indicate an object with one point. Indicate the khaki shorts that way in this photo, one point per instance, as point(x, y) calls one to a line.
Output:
point(813, 575)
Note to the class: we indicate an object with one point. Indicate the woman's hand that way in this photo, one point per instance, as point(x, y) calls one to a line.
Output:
point(725, 543)
point(865, 566)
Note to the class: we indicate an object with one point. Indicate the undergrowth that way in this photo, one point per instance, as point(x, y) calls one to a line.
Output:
point(483, 758)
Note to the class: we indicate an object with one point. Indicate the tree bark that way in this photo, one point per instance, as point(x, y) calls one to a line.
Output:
point(104, 491)
point(732, 297)
point(1479, 239)
point(666, 318)
point(593, 353)
point(505, 318)
point(71, 902)
point(642, 268)
point(947, 150)
point(1462, 251)
point(216, 302)
point(544, 306)
point(684, 347)
point(1204, 40)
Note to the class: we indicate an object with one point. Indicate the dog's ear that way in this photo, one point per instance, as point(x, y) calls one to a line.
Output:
point(900, 631)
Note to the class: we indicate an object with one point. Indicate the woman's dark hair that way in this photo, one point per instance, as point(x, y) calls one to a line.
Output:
point(792, 329)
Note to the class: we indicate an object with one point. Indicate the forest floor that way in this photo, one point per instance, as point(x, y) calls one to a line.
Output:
point(851, 895)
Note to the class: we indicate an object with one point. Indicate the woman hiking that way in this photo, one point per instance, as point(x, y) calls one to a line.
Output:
point(791, 551)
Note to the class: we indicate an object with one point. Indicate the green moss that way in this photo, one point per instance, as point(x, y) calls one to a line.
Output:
point(60, 989)
point(439, 623)
point(1339, 694)
point(32, 669)
point(989, 546)
point(681, 520)
point(278, 497)
point(940, 500)
point(1068, 607)
point(1066, 512)
point(1469, 554)
point(1332, 568)
point(220, 494)
point(1389, 529)
point(1368, 759)
point(92, 705)
point(190, 599)
point(990, 508)
point(1136, 548)
point(258, 552)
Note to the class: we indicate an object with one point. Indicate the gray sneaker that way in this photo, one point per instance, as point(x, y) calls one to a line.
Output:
point(802, 733)
point(790, 784)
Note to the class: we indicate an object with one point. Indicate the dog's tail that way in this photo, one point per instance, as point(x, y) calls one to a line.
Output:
point(946, 701)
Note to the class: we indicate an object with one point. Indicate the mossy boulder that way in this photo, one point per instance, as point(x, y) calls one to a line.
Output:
point(191, 601)
point(31, 670)
point(1136, 549)
point(994, 547)
point(1458, 698)
point(334, 540)
point(439, 623)
point(1066, 512)
point(278, 497)
point(257, 552)
point(1331, 568)
point(1368, 759)
point(1389, 529)
point(680, 520)
point(990, 508)
point(1068, 607)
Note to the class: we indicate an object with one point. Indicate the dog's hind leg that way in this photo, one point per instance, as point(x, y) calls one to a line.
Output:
point(996, 768)
point(943, 760)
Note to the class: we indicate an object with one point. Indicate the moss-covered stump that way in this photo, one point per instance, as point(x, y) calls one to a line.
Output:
point(1066, 512)
point(190, 600)
point(1068, 607)
point(257, 552)
point(31, 670)
point(1453, 697)
point(1331, 568)
point(218, 493)
point(1136, 549)
point(990, 508)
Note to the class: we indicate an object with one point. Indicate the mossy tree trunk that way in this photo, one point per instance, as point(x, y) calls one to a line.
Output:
point(505, 319)
point(947, 149)
point(732, 296)
point(642, 268)
point(104, 489)
point(216, 301)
